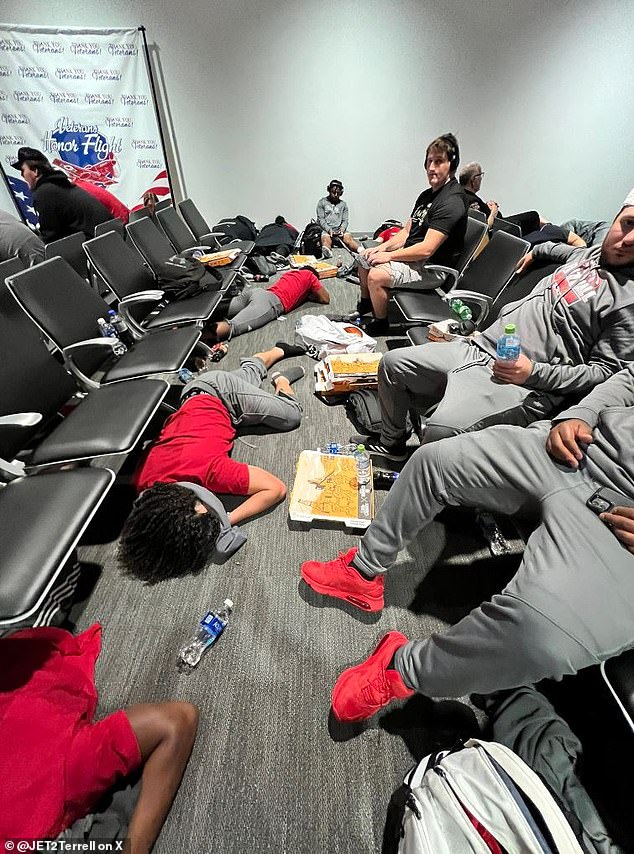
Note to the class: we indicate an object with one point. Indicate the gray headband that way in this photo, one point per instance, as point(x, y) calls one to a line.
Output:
point(230, 538)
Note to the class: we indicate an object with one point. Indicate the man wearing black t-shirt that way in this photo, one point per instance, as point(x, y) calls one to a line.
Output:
point(434, 232)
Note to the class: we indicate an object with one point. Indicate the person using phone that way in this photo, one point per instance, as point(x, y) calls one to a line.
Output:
point(570, 603)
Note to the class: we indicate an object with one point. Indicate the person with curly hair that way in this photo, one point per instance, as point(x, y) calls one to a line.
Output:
point(177, 524)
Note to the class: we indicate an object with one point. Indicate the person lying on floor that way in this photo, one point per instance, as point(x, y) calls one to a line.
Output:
point(177, 522)
point(576, 329)
point(57, 762)
point(571, 602)
point(255, 307)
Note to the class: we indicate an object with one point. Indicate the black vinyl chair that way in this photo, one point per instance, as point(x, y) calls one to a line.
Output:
point(140, 213)
point(475, 213)
point(115, 224)
point(164, 203)
point(42, 518)
point(179, 234)
point(479, 286)
point(70, 322)
point(135, 287)
point(71, 250)
point(201, 230)
point(501, 224)
point(156, 250)
point(35, 390)
point(8, 268)
point(618, 674)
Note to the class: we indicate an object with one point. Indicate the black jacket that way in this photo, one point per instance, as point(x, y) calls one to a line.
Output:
point(66, 209)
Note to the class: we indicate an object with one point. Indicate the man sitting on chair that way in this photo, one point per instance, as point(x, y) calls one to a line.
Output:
point(332, 216)
point(434, 233)
point(576, 328)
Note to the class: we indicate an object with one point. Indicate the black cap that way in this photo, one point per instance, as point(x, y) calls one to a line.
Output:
point(26, 153)
point(336, 183)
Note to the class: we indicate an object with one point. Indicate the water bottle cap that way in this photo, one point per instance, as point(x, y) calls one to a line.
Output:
point(228, 604)
point(361, 448)
point(112, 311)
point(509, 329)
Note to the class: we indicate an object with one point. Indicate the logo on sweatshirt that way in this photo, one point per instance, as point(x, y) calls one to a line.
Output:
point(576, 283)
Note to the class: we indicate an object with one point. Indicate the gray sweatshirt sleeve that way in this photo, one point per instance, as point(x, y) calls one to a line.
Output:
point(557, 252)
point(321, 215)
point(603, 361)
point(617, 391)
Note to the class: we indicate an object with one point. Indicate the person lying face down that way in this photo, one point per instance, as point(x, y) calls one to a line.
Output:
point(177, 524)
point(255, 307)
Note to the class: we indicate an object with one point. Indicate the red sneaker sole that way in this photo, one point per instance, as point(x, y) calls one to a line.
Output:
point(368, 603)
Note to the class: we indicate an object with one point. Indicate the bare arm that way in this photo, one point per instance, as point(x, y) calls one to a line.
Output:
point(575, 240)
point(165, 733)
point(265, 490)
point(420, 251)
point(320, 296)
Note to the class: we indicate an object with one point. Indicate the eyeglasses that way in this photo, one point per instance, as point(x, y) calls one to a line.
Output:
point(478, 175)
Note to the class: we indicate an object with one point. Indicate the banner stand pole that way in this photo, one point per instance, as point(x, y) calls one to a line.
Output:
point(156, 109)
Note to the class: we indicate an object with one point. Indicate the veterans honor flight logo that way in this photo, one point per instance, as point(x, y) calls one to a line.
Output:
point(83, 152)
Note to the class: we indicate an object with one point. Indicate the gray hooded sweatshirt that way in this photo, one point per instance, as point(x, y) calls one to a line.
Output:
point(576, 325)
point(609, 410)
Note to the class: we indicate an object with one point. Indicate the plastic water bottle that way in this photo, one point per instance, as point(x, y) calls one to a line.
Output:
point(121, 328)
point(362, 458)
point(209, 630)
point(508, 346)
point(185, 375)
point(107, 330)
point(459, 308)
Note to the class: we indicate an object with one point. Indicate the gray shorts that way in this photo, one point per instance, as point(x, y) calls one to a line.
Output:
point(252, 309)
point(402, 273)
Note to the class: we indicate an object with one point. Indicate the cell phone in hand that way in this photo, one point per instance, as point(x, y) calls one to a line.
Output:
point(604, 500)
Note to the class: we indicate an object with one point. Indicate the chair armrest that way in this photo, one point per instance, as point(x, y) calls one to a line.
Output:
point(212, 239)
point(85, 382)
point(11, 470)
point(450, 272)
point(138, 299)
point(189, 253)
point(20, 419)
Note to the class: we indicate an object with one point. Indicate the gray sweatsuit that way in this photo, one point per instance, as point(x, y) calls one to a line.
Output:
point(577, 326)
point(571, 602)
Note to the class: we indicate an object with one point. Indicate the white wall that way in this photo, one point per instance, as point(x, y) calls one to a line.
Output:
point(271, 99)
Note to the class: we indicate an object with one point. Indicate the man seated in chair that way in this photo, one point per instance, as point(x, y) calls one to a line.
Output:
point(570, 603)
point(434, 233)
point(332, 216)
point(177, 522)
point(255, 307)
point(576, 329)
point(58, 762)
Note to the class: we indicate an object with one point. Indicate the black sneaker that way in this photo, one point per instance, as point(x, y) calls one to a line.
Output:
point(377, 327)
point(373, 445)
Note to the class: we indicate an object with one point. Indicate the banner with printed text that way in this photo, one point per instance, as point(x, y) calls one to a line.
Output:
point(83, 98)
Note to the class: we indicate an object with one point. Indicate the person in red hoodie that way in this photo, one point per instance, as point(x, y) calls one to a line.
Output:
point(255, 307)
point(57, 761)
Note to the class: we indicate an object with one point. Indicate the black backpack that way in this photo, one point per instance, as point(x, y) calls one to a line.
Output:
point(387, 223)
point(311, 240)
point(180, 278)
point(274, 238)
point(236, 228)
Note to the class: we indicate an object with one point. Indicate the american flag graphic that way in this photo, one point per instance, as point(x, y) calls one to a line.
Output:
point(22, 194)
point(160, 187)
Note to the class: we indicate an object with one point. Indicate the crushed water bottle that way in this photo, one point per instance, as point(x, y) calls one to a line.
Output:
point(362, 458)
point(121, 328)
point(338, 448)
point(209, 630)
point(461, 310)
point(108, 331)
point(508, 346)
point(185, 375)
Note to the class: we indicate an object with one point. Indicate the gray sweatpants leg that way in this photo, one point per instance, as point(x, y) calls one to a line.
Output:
point(253, 308)
point(246, 402)
point(457, 374)
point(571, 602)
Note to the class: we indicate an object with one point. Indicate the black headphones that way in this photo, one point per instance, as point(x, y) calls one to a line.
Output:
point(453, 148)
point(335, 184)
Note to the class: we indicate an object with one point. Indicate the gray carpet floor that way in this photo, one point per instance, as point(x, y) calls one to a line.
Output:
point(269, 771)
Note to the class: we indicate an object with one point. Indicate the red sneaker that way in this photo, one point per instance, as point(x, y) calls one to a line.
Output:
point(337, 578)
point(362, 690)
